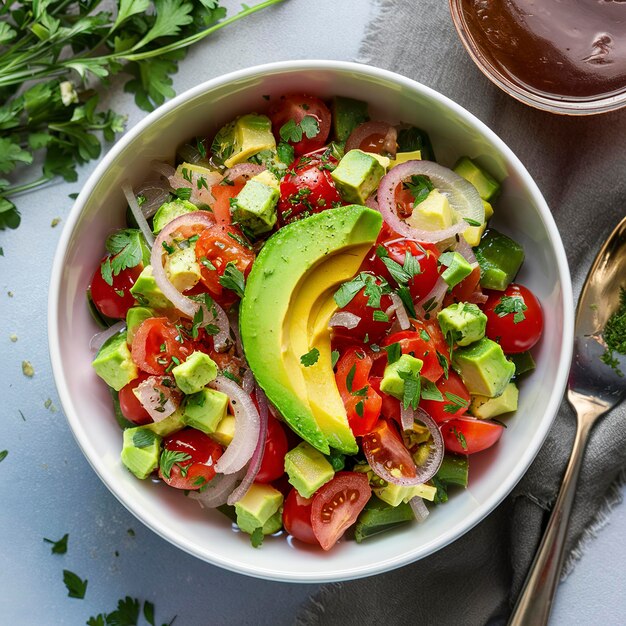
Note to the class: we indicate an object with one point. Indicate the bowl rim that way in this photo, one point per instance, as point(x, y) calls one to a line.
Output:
point(604, 103)
point(382, 565)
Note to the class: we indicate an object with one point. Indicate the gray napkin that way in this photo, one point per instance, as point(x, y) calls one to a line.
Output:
point(580, 166)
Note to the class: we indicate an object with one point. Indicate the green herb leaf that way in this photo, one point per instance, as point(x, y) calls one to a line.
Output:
point(380, 316)
point(60, 546)
point(456, 403)
point(430, 391)
point(511, 305)
point(350, 378)
point(460, 437)
point(405, 295)
point(285, 153)
point(3, 455)
point(233, 279)
point(290, 131)
point(394, 352)
point(419, 186)
point(76, 587)
point(126, 614)
point(310, 126)
point(148, 611)
point(412, 389)
point(334, 357)
point(126, 247)
point(183, 193)
point(344, 295)
point(310, 358)
point(256, 538)
point(169, 458)
point(143, 438)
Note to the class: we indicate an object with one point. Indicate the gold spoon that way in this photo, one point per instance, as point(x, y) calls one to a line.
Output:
point(593, 389)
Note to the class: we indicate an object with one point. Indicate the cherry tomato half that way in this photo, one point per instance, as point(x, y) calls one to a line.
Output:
point(216, 247)
point(307, 188)
point(467, 435)
point(360, 399)
point(223, 195)
point(114, 300)
point(273, 463)
point(297, 517)
point(157, 342)
point(450, 407)
point(130, 406)
point(385, 451)
point(502, 309)
point(337, 504)
point(188, 459)
point(293, 109)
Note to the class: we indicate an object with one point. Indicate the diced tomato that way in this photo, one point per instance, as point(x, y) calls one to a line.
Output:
point(221, 206)
point(361, 401)
point(297, 517)
point(273, 463)
point(515, 329)
point(130, 406)
point(336, 506)
point(467, 435)
point(464, 290)
point(386, 453)
point(158, 344)
point(451, 406)
point(293, 109)
point(114, 300)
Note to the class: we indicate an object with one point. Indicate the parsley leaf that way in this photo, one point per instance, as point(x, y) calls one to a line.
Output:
point(457, 403)
point(142, 438)
point(350, 378)
point(233, 279)
point(443, 361)
point(460, 437)
point(402, 274)
point(344, 295)
point(412, 388)
point(430, 391)
point(285, 153)
point(3, 455)
point(310, 126)
point(334, 357)
point(405, 295)
point(76, 587)
point(394, 352)
point(60, 546)
point(126, 247)
point(310, 358)
point(292, 132)
point(380, 316)
point(419, 186)
point(126, 614)
point(511, 304)
point(148, 612)
point(256, 538)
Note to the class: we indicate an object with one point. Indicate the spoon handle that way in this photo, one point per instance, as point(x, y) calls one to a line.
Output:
point(535, 602)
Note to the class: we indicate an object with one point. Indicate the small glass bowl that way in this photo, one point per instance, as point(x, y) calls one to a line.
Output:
point(565, 105)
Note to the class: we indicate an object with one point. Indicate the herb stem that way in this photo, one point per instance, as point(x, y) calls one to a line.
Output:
point(12, 191)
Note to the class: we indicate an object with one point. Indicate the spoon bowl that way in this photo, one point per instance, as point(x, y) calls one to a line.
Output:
point(594, 388)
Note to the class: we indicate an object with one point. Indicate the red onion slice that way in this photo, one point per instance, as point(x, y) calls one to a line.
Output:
point(478, 297)
point(137, 214)
point(432, 300)
point(245, 171)
point(247, 427)
point(189, 220)
point(419, 509)
point(345, 320)
point(367, 129)
point(164, 169)
point(200, 195)
point(257, 457)
point(465, 250)
point(159, 400)
point(407, 416)
point(401, 314)
point(215, 493)
point(155, 192)
point(247, 382)
point(98, 339)
point(463, 197)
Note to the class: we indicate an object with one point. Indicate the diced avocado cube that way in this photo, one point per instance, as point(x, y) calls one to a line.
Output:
point(170, 211)
point(348, 113)
point(483, 368)
point(114, 363)
point(257, 506)
point(403, 157)
point(274, 523)
point(486, 185)
point(252, 133)
point(457, 268)
point(486, 408)
point(171, 424)
point(499, 258)
point(205, 409)
point(147, 292)
point(394, 494)
point(225, 431)
point(255, 207)
point(140, 451)
point(433, 213)
point(357, 176)
point(473, 234)
point(378, 517)
point(182, 268)
point(307, 469)
point(267, 178)
point(463, 322)
point(523, 362)
point(193, 374)
point(134, 318)
point(392, 382)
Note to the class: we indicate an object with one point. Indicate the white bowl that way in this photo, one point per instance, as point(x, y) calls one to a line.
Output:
point(521, 212)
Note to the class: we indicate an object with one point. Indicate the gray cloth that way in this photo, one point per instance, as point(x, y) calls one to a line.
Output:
point(580, 166)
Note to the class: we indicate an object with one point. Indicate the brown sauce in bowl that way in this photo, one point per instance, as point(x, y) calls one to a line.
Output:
point(555, 48)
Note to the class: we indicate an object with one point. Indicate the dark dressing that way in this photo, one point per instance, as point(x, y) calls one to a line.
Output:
point(562, 48)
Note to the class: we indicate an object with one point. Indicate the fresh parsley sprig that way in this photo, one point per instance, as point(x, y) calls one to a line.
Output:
point(52, 54)
point(511, 305)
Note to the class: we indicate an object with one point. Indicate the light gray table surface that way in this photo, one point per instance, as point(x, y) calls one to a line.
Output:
point(47, 488)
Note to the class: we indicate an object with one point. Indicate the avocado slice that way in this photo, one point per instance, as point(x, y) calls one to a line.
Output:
point(285, 311)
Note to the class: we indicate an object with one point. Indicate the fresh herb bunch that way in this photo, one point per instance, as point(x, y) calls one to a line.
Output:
point(53, 53)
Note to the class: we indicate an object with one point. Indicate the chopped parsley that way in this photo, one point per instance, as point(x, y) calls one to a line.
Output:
point(412, 388)
point(456, 403)
point(350, 378)
point(169, 458)
point(60, 546)
point(348, 290)
point(142, 438)
point(459, 436)
point(511, 305)
point(4, 453)
point(76, 587)
point(308, 127)
point(615, 335)
point(256, 538)
point(334, 357)
point(430, 391)
point(242, 242)
point(233, 279)
point(402, 274)
point(394, 352)
point(285, 153)
point(405, 295)
point(380, 316)
point(419, 186)
point(443, 361)
point(126, 250)
point(359, 407)
point(310, 358)
point(183, 193)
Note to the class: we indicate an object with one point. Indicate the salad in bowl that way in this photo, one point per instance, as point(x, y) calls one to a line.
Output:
point(310, 323)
